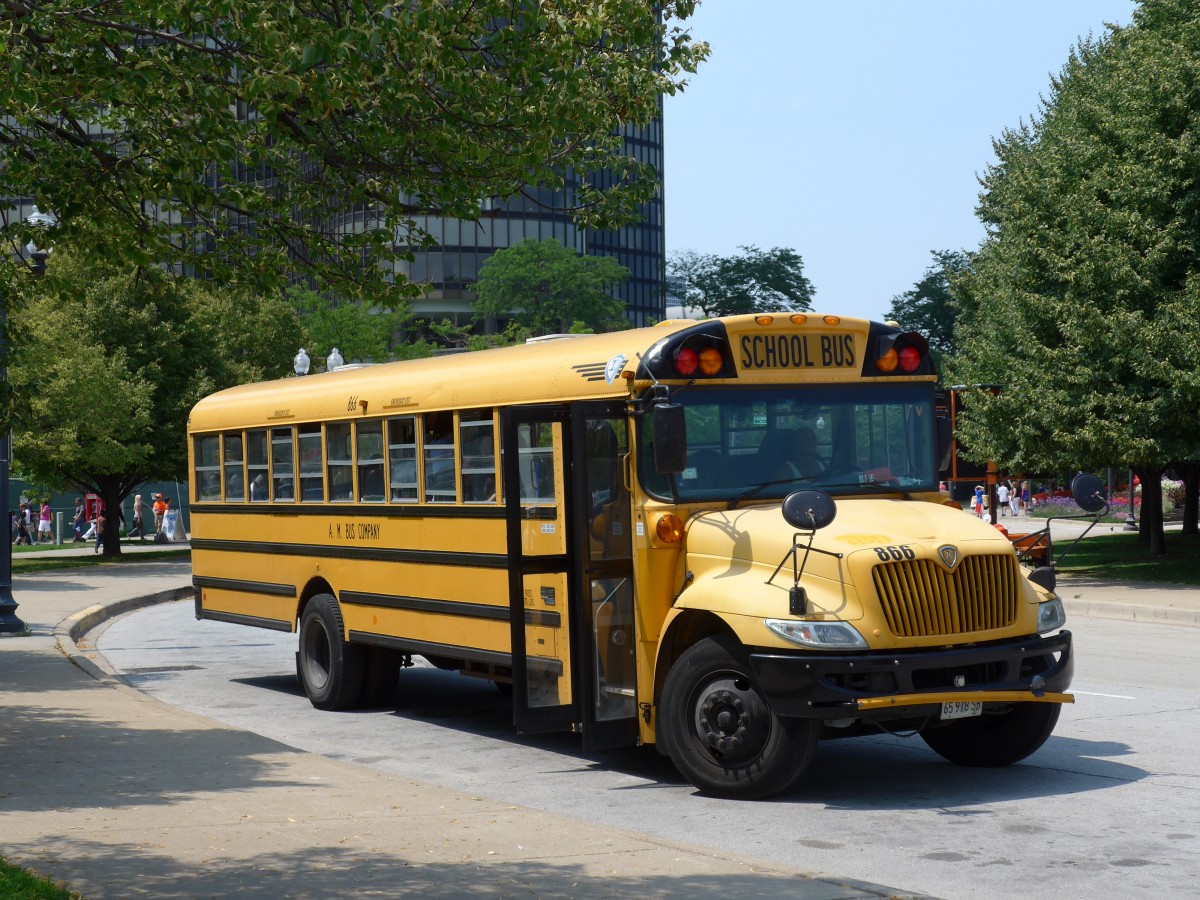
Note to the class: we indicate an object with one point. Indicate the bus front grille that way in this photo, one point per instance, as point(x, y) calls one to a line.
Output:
point(921, 599)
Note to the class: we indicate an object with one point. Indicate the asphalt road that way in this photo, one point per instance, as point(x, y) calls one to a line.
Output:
point(1110, 806)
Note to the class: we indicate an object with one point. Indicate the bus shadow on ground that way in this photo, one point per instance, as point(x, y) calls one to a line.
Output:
point(874, 772)
point(475, 707)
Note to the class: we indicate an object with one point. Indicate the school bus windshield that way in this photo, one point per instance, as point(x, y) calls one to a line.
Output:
point(767, 442)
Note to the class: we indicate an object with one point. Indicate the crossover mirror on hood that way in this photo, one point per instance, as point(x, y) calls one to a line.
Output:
point(809, 510)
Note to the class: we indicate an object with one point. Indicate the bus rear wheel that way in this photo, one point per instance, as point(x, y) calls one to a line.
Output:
point(995, 739)
point(719, 730)
point(331, 669)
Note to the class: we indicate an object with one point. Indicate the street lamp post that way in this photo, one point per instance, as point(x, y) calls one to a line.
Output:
point(9, 621)
point(1130, 519)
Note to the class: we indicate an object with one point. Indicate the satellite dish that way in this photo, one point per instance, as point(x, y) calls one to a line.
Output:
point(1088, 491)
point(809, 510)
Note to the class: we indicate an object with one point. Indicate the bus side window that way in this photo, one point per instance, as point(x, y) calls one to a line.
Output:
point(369, 456)
point(402, 458)
point(308, 452)
point(283, 465)
point(257, 470)
point(208, 467)
point(439, 458)
point(235, 479)
point(477, 437)
point(339, 463)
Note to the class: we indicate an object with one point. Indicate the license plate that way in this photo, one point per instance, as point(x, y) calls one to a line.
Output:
point(957, 709)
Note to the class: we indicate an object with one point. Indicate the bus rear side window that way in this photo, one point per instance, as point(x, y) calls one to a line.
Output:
point(235, 479)
point(208, 467)
point(308, 449)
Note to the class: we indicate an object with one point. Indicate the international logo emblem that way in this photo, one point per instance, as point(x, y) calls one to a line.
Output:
point(615, 366)
point(949, 555)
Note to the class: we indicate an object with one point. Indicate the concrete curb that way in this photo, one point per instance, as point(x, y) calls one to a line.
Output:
point(68, 632)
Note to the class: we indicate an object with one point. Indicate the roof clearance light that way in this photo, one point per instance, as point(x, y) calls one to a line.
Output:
point(685, 362)
point(764, 320)
point(799, 319)
point(833, 320)
point(711, 361)
point(888, 362)
point(670, 528)
point(910, 359)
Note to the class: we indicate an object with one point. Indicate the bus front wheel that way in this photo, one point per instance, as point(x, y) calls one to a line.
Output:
point(331, 669)
point(719, 730)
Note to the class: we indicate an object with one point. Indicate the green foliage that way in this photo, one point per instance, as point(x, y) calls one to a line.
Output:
point(222, 135)
point(1084, 300)
point(107, 363)
point(756, 281)
point(929, 307)
point(547, 288)
point(358, 330)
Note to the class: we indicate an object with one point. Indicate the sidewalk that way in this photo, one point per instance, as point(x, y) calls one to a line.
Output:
point(118, 795)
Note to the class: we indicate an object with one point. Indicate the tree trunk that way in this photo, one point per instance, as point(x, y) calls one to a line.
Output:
point(1191, 497)
point(1151, 532)
point(111, 497)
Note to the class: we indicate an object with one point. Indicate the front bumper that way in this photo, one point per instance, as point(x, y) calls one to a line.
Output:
point(887, 685)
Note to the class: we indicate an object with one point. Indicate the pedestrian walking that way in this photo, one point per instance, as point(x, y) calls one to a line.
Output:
point(1027, 496)
point(78, 521)
point(139, 523)
point(979, 500)
point(44, 517)
point(1014, 499)
point(1002, 497)
point(160, 508)
point(100, 520)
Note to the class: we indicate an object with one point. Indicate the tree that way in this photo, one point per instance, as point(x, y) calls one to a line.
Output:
point(358, 330)
point(1084, 299)
point(757, 281)
point(108, 363)
point(548, 288)
point(233, 137)
point(929, 307)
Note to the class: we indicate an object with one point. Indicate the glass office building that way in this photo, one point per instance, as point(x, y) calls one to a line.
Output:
point(451, 268)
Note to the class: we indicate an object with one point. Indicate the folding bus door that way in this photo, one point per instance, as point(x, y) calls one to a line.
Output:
point(536, 447)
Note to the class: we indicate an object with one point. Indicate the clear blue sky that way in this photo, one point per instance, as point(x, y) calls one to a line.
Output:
point(854, 132)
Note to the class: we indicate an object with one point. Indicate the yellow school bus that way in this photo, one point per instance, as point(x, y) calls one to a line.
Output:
point(724, 538)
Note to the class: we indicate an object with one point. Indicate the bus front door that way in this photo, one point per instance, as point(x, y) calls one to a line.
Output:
point(604, 617)
point(536, 448)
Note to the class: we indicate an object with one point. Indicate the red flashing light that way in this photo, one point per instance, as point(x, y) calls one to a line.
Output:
point(910, 359)
point(686, 362)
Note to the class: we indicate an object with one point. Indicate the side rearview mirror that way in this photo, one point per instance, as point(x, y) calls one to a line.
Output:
point(808, 510)
point(670, 438)
point(1088, 491)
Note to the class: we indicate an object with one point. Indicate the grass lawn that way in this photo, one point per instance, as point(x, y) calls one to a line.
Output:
point(19, 884)
point(1120, 557)
point(32, 558)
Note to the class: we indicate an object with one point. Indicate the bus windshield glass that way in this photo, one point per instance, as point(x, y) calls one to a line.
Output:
point(748, 443)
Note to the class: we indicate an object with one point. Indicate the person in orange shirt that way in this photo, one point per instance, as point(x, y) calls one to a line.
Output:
point(160, 509)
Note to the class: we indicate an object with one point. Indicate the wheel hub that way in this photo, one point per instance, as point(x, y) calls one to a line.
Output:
point(732, 721)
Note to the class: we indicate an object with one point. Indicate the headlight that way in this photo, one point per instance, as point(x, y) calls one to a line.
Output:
point(1051, 615)
point(821, 635)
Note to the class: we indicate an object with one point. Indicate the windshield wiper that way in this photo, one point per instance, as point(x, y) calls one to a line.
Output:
point(763, 485)
point(876, 486)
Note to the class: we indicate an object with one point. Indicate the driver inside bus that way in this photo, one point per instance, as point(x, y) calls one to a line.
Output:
point(801, 460)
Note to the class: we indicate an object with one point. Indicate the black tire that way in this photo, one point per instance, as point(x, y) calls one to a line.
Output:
point(719, 731)
point(331, 669)
point(381, 676)
point(994, 739)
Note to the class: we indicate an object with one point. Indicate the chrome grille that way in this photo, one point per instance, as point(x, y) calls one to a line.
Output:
point(921, 599)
